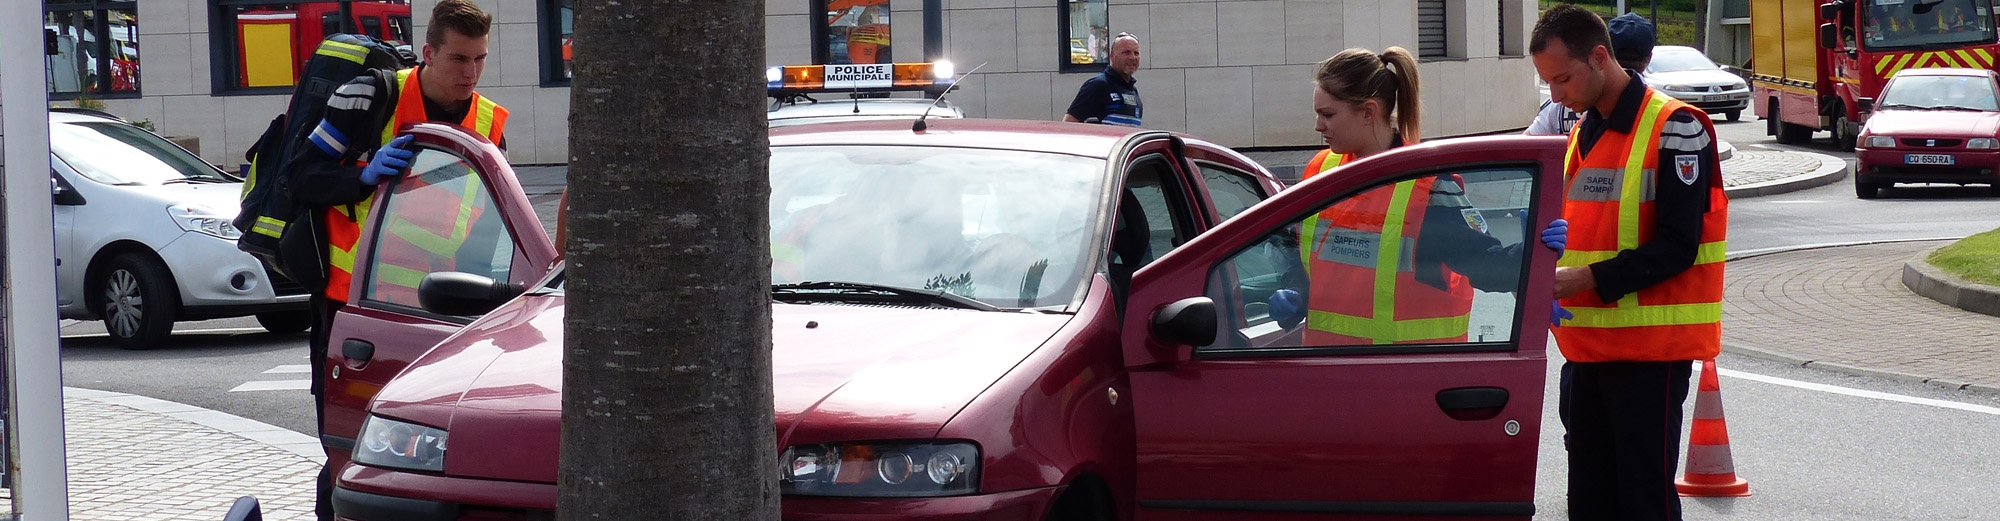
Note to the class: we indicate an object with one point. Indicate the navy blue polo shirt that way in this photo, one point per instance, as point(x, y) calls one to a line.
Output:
point(1110, 98)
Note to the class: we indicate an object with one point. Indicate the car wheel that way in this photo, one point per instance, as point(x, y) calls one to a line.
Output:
point(1791, 134)
point(285, 322)
point(1867, 190)
point(1733, 115)
point(1846, 134)
point(139, 302)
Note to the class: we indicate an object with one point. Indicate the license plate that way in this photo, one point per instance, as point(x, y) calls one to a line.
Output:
point(1927, 159)
point(1715, 97)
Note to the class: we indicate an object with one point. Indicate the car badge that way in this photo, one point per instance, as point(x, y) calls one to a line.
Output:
point(1930, 142)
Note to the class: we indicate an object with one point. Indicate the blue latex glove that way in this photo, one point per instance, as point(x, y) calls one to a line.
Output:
point(1557, 314)
point(389, 161)
point(1287, 306)
point(1556, 236)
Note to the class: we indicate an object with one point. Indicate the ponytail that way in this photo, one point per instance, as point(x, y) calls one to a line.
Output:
point(1390, 78)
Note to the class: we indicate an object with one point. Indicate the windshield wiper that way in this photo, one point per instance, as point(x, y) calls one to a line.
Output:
point(1887, 106)
point(1959, 107)
point(857, 291)
point(182, 180)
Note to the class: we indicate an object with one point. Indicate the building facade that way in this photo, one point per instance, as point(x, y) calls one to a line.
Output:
point(1237, 72)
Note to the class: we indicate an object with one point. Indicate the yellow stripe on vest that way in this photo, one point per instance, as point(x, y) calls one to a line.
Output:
point(1382, 331)
point(1641, 316)
point(1707, 253)
point(345, 51)
point(399, 276)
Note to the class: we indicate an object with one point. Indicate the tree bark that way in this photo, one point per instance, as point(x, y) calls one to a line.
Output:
point(667, 363)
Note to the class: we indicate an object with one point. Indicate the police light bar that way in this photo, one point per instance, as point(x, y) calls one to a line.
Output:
point(863, 77)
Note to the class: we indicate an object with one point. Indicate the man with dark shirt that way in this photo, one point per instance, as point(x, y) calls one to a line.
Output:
point(1643, 273)
point(351, 155)
point(1111, 98)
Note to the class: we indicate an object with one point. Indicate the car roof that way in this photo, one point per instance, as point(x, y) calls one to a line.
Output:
point(1673, 48)
point(1078, 139)
point(80, 116)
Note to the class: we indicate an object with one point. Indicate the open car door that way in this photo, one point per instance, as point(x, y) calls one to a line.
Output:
point(1409, 385)
point(458, 208)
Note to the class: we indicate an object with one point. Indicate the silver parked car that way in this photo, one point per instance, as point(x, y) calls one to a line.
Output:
point(1688, 75)
point(143, 236)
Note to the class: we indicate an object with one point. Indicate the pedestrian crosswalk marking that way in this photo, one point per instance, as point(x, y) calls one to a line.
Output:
point(290, 369)
point(274, 385)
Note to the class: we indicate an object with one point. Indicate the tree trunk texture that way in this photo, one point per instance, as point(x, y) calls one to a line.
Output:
point(666, 411)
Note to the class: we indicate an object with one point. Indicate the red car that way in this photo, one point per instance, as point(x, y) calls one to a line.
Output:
point(1016, 320)
point(1934, 125)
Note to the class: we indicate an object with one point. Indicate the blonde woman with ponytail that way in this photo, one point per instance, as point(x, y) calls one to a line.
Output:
point(1366, 103)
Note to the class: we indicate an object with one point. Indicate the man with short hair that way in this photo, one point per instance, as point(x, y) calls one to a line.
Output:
point(1643, 271)
point(1632, 40)
point(1111, 98)
point(351, 156)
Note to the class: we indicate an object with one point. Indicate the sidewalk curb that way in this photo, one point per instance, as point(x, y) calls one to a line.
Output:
point(298, 444)
point(1788, 358)
point(1831, 170)
point(1933, 283)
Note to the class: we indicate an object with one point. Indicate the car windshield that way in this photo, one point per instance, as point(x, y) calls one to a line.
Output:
point(119, 154)
point(1675, 61)
point(1008, 228)
point(1936, 24)
point(1939, 92)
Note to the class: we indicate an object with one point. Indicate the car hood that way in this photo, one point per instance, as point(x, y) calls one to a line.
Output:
point(225, 199)
point(1933, 123)
point(1700, 78)
point(840, 373)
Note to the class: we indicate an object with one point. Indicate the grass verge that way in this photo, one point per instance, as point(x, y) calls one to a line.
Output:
point(1975, 258)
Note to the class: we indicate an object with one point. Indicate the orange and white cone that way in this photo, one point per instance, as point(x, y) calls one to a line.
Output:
point(1710, 470)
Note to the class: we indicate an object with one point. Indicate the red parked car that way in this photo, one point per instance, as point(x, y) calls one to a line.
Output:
point(1932, 125)
point(1016, 320)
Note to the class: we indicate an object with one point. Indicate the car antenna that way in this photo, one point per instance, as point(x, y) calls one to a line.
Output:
point(919, 126)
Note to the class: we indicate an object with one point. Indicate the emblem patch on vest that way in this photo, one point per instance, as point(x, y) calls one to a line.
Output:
point(1688, 168)
point(1474, 219)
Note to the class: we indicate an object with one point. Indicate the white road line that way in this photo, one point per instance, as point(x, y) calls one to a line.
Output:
point(274, 385)
point(1796, 201)
point(290, 369)
point(1858, 393)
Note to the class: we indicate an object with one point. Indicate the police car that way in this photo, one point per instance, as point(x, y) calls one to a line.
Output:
point(797, 90)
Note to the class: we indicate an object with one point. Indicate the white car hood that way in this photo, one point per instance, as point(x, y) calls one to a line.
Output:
point(223, 198)
point(1701, 78)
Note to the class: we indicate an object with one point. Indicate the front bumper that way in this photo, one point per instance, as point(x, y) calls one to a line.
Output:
point(365, 493)
point(1891, 165)
point(215, 278)
point(1714, 101)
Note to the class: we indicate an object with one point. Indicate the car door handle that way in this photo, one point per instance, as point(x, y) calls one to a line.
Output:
point(1472, 403)
point(358, 353)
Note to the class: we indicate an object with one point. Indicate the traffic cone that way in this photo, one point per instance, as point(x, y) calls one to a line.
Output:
point(1710, 471)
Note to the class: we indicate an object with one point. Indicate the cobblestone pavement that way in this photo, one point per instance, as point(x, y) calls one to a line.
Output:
point(1846, 309)
point(1757, 166)
point(139, 462)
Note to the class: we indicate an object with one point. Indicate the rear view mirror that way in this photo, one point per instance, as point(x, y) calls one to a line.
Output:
point(1830, 10)
point(463, 294)
point(1864, 104)
point(1829, 36)
point(1189, 321)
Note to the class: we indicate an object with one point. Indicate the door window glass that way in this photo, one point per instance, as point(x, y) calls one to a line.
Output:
point(1430, 260)
point(1151, 198)
point(1232, 191)
point(438, 218)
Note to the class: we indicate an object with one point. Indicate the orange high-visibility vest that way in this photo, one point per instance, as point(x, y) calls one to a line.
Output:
point(1362, 266)
point(487, 118)
point(1610, 209)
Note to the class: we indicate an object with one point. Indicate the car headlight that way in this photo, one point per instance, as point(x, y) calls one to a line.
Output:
point(1881, 142)
point(1738, 86)
point(394, 444)
point(880, 469)
point(1678, 88)
point(1982, 143)
point(204, 220)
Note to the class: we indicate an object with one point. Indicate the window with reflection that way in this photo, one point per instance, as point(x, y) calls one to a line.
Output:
point(1086, 34)
point(264, 44)
point(1434, 259)
point(91, 48)
point(438, 218)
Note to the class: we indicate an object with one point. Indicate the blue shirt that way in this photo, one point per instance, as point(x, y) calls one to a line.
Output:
point(1108, 98)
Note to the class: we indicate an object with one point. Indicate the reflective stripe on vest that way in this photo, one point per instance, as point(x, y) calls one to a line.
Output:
point(344, 229)
point(1350, 260)
point(1321, 163)
point(1610, 194)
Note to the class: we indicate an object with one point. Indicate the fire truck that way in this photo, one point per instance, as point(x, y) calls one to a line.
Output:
point(277, 39)
point(1819, 66)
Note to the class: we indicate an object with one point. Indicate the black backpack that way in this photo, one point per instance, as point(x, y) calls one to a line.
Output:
point(287, 235)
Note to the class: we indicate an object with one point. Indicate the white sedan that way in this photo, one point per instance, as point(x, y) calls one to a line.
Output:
point(1688, 75)
point(143, 236)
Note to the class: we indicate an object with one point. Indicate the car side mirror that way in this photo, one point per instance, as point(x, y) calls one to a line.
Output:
point(62, 194)
point(1829, 36)
point(1830, 10)
point(245, 509)
point(1864, 104)
point(1189, 321)
point(463, 294)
